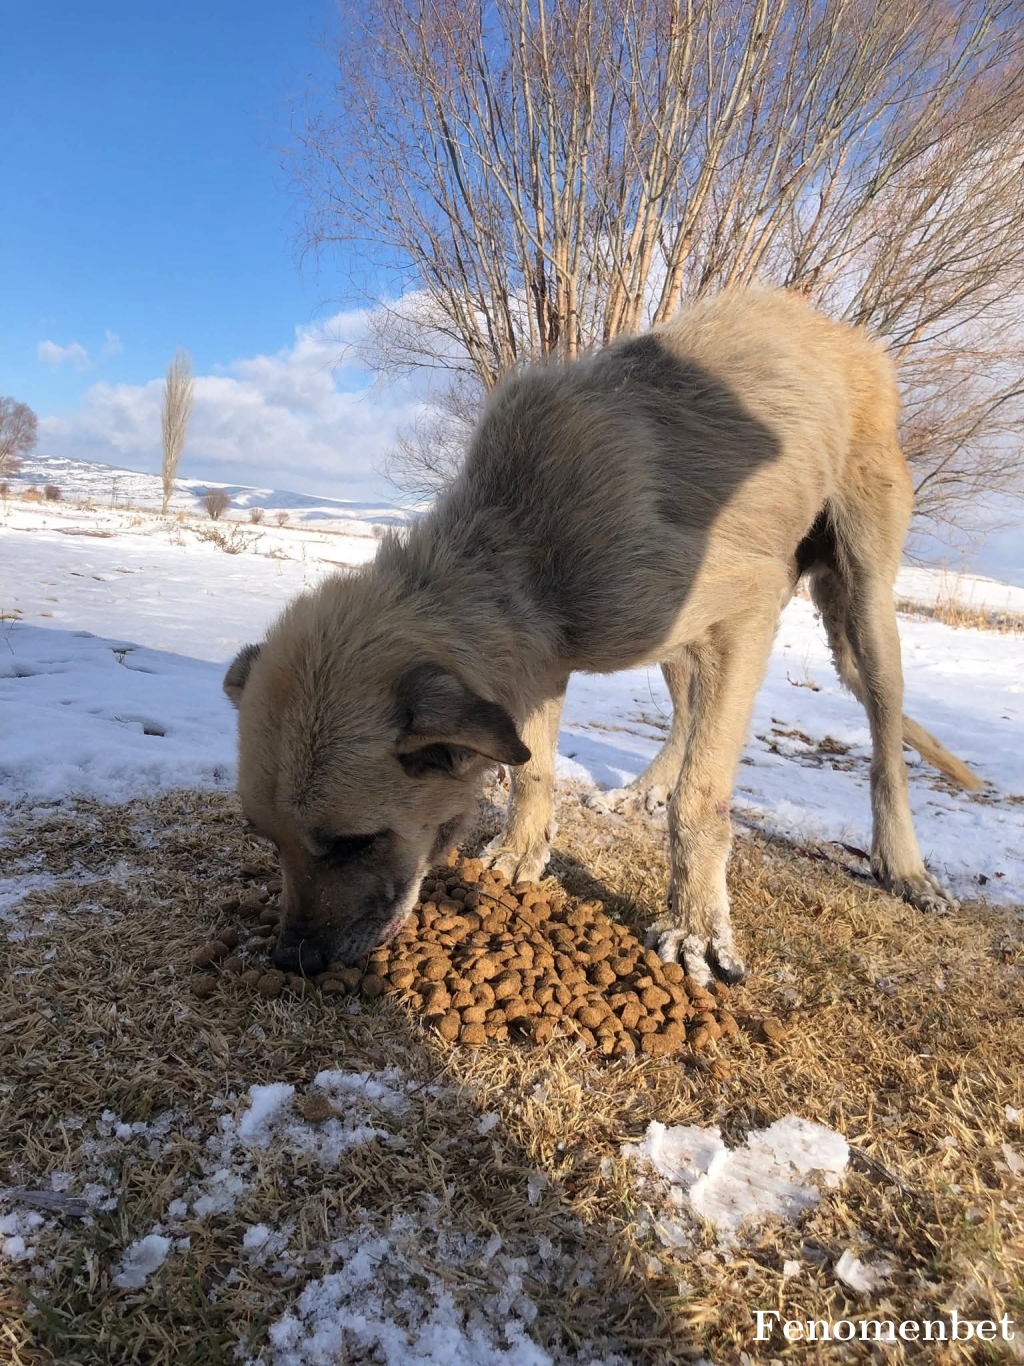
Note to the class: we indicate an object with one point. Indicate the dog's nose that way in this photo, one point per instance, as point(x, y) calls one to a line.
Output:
point(299, 952)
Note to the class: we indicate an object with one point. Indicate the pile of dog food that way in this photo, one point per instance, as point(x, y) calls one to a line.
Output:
point(481, 960)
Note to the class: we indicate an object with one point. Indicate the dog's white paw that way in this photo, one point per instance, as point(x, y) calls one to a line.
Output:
point(631, 801)
point(705, 960)
point(518, 865)
point(921, 890)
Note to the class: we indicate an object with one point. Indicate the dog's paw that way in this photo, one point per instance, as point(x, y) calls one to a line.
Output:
point(518, 865)
point(921, 890)
point(705, 960)
point(631, 801)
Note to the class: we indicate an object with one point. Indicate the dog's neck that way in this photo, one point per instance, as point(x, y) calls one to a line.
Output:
point(472, 614)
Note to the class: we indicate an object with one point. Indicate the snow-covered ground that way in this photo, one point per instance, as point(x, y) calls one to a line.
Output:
point(117, 624)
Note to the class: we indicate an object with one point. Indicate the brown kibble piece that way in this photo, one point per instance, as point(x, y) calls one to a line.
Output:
point(203, 986)
point(448, 1027)
point(373, 985)
point(473, 1034)
point(251, 977)
point(209, 953)
point(271, 984)
point(234, 964)
point(773, 1029)
point(655, 997)
point(315, 1109)
point(350, 977)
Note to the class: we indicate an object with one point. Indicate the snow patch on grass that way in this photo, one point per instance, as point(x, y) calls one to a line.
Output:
point(775, 1174)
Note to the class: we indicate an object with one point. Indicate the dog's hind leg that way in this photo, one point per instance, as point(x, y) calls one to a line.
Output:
point(650, 792)
point(854, 594)
point(523, 848)
point(728, 667)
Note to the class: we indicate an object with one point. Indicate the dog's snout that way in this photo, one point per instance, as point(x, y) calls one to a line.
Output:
point(299, 951)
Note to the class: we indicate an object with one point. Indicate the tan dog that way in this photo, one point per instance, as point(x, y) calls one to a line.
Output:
point(654, 503)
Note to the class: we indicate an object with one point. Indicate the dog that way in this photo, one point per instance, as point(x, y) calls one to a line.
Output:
point(655, 502)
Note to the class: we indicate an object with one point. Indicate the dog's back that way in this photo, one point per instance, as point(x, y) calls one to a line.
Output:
point(692, 454)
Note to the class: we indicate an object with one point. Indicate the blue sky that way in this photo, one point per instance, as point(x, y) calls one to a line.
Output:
point(144, 209)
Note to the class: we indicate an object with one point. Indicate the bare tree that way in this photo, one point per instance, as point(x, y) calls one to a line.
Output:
point(19, 432)
point(533, 179)
point(256, 515)
point(216, 502)
point(179, 389)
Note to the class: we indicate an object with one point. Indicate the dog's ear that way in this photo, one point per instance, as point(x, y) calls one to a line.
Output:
point(439, 719)
point(238, 672)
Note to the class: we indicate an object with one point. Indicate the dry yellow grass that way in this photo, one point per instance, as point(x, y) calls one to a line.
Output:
point(904, 1033)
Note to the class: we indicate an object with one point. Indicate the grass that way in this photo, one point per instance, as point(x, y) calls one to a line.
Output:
point(951, 609)
point(901, 1032)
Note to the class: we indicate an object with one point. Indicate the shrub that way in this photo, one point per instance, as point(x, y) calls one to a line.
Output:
point(216, 502)
point(52, 493)
point(281, 518)
point(5, 490)
point(256, 515)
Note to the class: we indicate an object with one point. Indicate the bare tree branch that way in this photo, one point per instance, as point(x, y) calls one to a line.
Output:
point(548, 176)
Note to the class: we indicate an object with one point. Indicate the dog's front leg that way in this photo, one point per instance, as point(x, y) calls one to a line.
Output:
point(523, 848)
point(728, 667)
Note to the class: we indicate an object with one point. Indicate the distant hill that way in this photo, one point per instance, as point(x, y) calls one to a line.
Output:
point(113, 487)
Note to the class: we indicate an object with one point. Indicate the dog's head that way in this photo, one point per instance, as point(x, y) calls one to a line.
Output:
point(360, 773)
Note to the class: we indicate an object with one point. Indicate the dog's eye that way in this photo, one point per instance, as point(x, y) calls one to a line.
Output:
point(439, 758)
point(342, 848)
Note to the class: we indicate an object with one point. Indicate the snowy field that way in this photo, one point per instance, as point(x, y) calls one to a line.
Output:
point(118, 625)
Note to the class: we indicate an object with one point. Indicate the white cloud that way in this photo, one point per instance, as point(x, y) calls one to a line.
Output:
point(52, 354)
point(295, 420)
point(111, 344)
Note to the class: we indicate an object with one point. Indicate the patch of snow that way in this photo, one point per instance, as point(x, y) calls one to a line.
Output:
point(16, 1233)
point(352, 1311)
point(265, 1106)
point(859, 1276)
point(140, 1261)
point(729, 1187)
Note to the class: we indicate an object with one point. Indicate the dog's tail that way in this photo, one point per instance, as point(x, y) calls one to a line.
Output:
point(830, 599)
point(933, 752)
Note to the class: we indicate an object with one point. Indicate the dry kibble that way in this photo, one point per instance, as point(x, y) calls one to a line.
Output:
point(209, 953)
point(773, 1029)
point(315, 1109)
point(482, 961)
point(271, 984)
